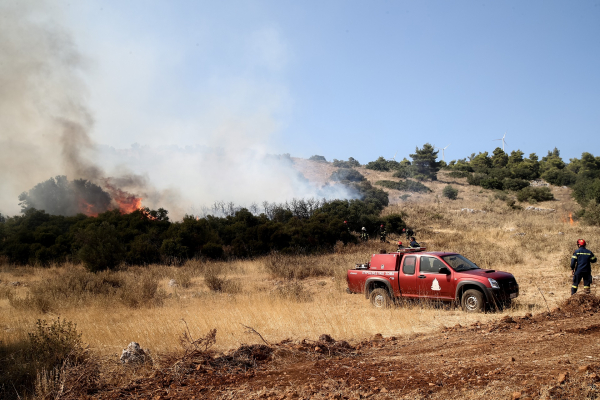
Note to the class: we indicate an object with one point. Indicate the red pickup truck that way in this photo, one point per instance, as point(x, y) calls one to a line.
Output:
point(415, 273)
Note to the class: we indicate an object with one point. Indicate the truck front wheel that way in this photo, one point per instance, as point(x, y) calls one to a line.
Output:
point(472, 301)
point(380, 298)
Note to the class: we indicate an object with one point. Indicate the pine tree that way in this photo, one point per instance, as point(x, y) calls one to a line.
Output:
point(424, 163)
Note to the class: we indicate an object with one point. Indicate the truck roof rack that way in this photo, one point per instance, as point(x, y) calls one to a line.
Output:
point(412, 250)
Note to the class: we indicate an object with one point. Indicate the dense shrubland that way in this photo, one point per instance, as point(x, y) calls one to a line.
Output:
point(148, 236)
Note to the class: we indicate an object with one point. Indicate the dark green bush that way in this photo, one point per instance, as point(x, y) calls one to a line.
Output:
point(450, 192)
point(351, 163)
point(459, 174)
point(591, 214)
point(213, 251)
point(99, 247)
point(535, 194)
point(514, 184)
point(407, 185)
point(491, 183)
point(559, 177)
point(381, 164)
point(317, 158)
point(347, 174)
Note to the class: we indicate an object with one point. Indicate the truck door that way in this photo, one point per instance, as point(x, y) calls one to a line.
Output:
point(407, 276)
point(430, 283)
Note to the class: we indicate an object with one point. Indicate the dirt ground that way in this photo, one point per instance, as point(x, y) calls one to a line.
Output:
point(550, 355)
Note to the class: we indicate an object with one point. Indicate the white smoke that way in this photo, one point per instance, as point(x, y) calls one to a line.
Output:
point(46, 126)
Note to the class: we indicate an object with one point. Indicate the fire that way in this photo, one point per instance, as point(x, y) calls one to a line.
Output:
point(87, 208)
point(127, 202)
point(571, 222)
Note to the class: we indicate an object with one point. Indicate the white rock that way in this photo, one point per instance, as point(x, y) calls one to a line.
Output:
point(172, 282)
point(134, 354)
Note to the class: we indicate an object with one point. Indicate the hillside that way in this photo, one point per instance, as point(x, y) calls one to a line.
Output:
point(155, 305)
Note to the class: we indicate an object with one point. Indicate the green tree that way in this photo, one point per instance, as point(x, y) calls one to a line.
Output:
point(481, 162)
point(499, 158)
point(425, 166)
point(100, 247)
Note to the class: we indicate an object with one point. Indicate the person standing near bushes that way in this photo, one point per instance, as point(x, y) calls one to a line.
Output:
point(382, 233)
point(581, 268)
point(364, 236)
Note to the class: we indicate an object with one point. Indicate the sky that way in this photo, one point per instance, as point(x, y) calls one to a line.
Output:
point(184, 103)
point(342, 78)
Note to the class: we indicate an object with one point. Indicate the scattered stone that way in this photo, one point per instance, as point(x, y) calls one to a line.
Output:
point(377, 337)
point(583, 368)
point(538, 183)
point(326, 338)
point(562, 378)
point(511, 359)
point(561, 233)
point(134, 354)
point(172, 282)
point(17, 283)
point(516, 395)
point(532, 208)
point(519, 234)
point(383, 390)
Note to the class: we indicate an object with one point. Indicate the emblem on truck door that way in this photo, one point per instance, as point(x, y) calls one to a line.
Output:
point(435, 285)
point(382, 267)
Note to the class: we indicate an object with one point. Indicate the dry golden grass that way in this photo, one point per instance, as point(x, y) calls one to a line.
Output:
point(306, 308)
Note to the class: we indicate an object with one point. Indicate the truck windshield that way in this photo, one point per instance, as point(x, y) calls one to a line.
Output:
point(459, 263)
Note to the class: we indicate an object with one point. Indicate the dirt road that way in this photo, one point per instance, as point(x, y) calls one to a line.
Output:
point(553, 355)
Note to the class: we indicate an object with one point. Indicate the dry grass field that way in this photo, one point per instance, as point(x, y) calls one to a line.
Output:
point(271, 296)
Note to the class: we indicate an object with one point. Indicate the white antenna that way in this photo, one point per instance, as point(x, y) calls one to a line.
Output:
point(503, 141)
point(394, 158)
point(442, 149)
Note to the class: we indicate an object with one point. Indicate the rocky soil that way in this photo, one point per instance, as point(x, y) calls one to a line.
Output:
point(551, 355)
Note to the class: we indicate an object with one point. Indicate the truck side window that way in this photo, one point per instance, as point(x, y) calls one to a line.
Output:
point(430, 265)
point(409, 265)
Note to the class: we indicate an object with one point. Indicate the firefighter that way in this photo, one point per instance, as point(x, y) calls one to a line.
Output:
point(400, 247)
point(364, 236)
point(408, 232)
point(347, 226)
point(581, 268)
point(413, 242)
point(382, 233)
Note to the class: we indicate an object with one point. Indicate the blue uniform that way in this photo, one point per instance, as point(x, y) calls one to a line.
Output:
point(580, 265)
point(414, 244)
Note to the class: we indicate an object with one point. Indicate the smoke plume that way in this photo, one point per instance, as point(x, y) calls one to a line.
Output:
point(45, 127)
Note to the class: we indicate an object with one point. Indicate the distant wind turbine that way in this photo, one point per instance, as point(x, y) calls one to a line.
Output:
point(442, 149)
point(503, 141)
point(394, 158)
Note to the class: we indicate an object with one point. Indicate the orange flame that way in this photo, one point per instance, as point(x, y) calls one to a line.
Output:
point(126, 202)
point(87, 208)
point(570, 218)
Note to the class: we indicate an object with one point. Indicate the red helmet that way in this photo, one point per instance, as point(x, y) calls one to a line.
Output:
point(382, 225)
point(581, 242)
point(399, 243)
point(345, 222)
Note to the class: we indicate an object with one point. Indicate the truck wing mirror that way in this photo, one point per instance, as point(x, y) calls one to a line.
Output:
point(444, 270)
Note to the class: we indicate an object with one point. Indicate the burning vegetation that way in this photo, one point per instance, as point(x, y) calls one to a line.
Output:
point(59, 196)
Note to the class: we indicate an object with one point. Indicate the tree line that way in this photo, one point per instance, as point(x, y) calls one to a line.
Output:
point(148, 236)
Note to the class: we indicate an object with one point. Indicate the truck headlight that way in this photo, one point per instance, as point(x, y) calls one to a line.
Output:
point(494, 283)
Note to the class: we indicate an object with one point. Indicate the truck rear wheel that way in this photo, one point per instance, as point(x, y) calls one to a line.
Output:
point(380, 298)
point(472, 301)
